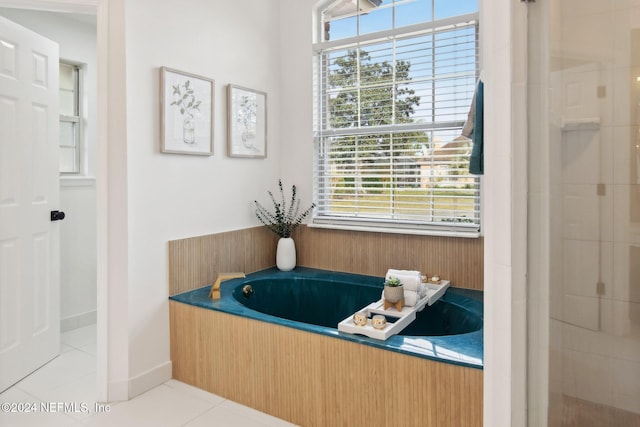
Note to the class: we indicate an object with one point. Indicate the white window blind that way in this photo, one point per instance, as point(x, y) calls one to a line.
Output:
point(390, 110)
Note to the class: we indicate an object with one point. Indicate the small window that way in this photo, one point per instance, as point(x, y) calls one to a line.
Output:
point(70, 123)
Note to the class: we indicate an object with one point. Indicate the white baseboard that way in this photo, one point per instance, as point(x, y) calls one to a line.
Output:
point(150, 379)
point(78, 321)
point(125, 390)
point(118, 391)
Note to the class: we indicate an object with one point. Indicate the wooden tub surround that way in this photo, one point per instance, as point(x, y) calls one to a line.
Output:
point(314, 380)
point(307, 378)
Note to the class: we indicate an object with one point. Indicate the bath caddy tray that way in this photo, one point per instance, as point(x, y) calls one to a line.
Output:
point(403, 317)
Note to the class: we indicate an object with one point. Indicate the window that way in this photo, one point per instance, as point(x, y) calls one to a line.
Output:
point(394, 84)
point(70, 123)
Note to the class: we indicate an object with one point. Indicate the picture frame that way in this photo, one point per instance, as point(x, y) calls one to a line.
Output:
point(186, 113)
point(246, 122)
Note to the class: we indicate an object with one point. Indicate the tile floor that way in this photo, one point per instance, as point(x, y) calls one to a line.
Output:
point(71, 379)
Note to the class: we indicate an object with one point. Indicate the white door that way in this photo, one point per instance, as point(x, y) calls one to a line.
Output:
point(29, 190)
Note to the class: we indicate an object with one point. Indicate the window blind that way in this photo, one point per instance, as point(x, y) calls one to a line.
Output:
point(69, 133)
point(389, 116)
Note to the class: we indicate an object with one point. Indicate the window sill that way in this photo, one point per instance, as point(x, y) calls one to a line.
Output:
point(397, 230)
point(77, 181)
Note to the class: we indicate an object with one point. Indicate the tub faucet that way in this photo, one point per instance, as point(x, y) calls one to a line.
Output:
point(215, 289)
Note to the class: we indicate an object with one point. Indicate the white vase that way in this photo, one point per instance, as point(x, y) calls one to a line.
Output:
point(286, 254)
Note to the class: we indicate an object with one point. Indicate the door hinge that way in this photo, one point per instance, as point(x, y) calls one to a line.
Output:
point(600, 288)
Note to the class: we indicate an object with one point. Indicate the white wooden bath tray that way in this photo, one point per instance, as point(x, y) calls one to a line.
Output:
point(404, 317)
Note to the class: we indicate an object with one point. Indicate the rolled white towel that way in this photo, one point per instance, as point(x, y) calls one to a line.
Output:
point(420, 289)
point(411, 282)
point(411, 298)
point(394, 272)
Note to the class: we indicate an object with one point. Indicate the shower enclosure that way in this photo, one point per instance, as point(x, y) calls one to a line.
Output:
point(584, 213)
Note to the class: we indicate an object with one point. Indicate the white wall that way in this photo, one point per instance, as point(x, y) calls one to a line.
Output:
point(78, 300)
point(77, 40)
point(174, 196)
point(296, 37)
point(112, 347)
point(504, 59)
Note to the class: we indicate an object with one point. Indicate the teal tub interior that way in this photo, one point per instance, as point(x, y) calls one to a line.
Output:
point(451, 330)
point(325, 302)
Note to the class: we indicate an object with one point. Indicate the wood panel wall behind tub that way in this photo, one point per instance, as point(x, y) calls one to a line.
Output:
point(195, 262)
point(458, 259)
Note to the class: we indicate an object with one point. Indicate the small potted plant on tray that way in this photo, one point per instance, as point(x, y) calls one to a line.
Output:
point(283, 221)
point(393, 290)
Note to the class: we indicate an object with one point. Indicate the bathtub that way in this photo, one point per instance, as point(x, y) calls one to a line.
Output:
point(278, 350)
point(315, 301)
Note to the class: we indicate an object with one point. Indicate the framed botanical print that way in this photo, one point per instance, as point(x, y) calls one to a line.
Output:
point(247, 122)
point(186, 112)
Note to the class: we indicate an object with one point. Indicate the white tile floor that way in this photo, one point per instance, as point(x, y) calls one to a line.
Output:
point(71, 379)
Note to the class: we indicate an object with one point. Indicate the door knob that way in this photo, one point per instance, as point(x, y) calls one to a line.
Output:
point(57, 215)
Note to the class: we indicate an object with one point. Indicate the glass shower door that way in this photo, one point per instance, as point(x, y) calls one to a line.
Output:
point(585, 309)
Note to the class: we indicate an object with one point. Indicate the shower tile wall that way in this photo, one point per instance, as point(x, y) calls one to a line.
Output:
point(595, 179)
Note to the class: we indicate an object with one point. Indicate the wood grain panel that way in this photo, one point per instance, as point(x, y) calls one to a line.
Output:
point(459, 260)
point(314, 380)
point(184, 333)
point(194, 262)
